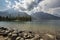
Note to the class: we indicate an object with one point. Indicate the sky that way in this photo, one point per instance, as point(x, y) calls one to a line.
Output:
point(32, 6)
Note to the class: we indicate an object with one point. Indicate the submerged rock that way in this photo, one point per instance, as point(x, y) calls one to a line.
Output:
point(22, 39)
point(18, 38)
point(2, 32)
point(14, 36)
point(49, 37)
point(41, 39)
point(37, 37)
point(6, 33)
point(10, 35)
point(29, 36)
point(2, 28)
point(26, 35)
point(6, 38)
point(21, 31)
point(57, 37)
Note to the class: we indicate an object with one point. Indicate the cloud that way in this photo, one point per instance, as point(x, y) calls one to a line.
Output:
point(32, 6)
point(55, 11)
point(48, 6)
point(51, 6)
point(8, 4)
point(7, 1)
point(23, 5)
point(27, 4)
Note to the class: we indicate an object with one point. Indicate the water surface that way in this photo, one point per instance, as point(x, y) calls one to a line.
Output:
point(50, 25)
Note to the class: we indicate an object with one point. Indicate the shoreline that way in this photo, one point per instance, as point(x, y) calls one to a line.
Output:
point(12, 34)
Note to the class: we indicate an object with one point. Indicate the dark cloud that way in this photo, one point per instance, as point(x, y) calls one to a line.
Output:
point(33, 4)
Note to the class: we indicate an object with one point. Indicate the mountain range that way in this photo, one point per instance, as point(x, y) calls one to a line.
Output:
point(43, 16)
point(34, 16)
point(13, 14)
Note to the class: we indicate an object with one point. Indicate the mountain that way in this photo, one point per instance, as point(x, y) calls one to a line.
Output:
point(43, 16)
point(19, 14)
point(13, 14)
point(3, 13)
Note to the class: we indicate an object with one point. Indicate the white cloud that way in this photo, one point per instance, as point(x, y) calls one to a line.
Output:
point(48, 6)
point(7, 1)
point(55, 11)
point(24, 4)
point(51, 6)
point(8, 4)
point(32, 6)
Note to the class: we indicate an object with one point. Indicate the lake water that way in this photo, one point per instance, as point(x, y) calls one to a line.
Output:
point(50, 25)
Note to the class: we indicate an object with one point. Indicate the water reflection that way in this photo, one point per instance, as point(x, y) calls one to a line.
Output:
point(50, 25)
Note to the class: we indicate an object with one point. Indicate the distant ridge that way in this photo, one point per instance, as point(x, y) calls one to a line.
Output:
point(13, 14)
point(44, 16)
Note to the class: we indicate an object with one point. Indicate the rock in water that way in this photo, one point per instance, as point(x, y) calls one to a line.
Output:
point(22, 39)
point(37, 37)
point(58, 37)
point(14, 36)
point(49, 37)
point(18, 38)
point(6, 38)
point(10, 35)
point(6, 33)
point(3, 28)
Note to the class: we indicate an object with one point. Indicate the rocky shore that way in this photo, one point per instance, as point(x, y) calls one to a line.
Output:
point(11, 34)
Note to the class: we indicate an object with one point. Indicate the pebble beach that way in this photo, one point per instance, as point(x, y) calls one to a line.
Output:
point(12, 34)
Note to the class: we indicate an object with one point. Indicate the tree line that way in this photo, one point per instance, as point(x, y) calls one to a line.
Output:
point(24, 18)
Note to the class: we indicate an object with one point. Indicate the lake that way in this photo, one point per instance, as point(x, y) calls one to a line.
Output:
point(49, 25)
